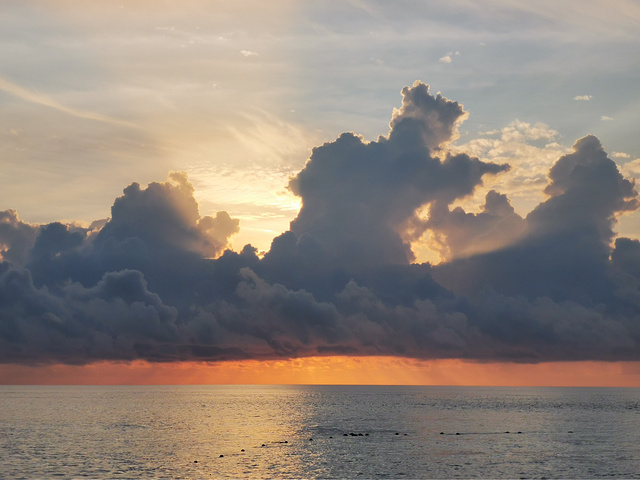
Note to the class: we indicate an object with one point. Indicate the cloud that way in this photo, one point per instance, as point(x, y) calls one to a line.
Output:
point(632, 168)
point(358, 197)
point(564, 251)
point(620, 155)
point(583, 98)
point(605, 118)
point(520, 131)
point(448, 58)
point(156, 281)
point(530, 149)
point(117, 319)
point(458, 234)
point(16, 238)
point(248, 53)
point(43, 99)
point(166, 215)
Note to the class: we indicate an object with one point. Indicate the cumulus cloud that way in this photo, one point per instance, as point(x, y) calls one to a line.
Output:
point(564, 251)
point(156, 281)
point(530, 149)
point(357, 197)
point(631, 168)
point(460, 234)
point(118, 318)
point(583, 98)
point(16, 238)
point(166, 215)
point(448, 58)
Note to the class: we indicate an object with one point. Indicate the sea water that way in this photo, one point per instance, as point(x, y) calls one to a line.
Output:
point(318, 432)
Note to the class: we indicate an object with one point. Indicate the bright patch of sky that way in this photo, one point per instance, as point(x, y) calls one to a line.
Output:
point(97, 95)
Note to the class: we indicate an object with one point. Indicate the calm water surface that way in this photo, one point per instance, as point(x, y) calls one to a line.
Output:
point(299, 432)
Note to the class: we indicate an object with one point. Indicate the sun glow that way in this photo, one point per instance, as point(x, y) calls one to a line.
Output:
point(331, 371)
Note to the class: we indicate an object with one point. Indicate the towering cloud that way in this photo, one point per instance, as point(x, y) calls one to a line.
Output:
point(358, 198)
point(156, 281)
point(563, 252)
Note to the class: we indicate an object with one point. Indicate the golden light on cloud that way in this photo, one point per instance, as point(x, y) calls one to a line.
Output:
point(530, 150)
point(338, 370)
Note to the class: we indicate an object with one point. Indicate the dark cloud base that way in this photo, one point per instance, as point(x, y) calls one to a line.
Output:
point(157, 282)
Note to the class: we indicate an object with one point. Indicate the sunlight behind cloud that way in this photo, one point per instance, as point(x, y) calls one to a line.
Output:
point(257, 195)
point(251, 100)
point(247, 172)
point(530, 149)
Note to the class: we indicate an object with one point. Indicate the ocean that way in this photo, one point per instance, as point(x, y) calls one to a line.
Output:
point(318, 432)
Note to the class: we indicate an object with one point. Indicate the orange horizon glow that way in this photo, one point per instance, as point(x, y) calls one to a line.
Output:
point(338, 370)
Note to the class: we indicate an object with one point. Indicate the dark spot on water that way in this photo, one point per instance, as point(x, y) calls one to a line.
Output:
point(221, 455)
point(397, 433)
point(457, 433)
point(519, 432)
point(360, 435)
point(570, 431)
point(195, 461)
point(441, 433)
point(242, 450)
point(345, 435)
point(405, 434)
point(366, 434)
point(311, 439)
point(507, 431)
point(330, 437)
point(263, 444)
point(286, 441)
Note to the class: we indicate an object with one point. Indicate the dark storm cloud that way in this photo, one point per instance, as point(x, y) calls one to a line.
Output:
point(155, 282)
point(115, 319)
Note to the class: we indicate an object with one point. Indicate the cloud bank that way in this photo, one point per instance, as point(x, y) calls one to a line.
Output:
point(156, 281)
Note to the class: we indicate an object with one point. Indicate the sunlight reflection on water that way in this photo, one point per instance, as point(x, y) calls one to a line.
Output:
point(318, 432)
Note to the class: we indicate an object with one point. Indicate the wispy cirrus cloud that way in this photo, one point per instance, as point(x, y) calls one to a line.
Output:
point(40, 98)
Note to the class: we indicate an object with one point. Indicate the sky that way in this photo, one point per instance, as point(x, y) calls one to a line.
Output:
point(324, 186)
